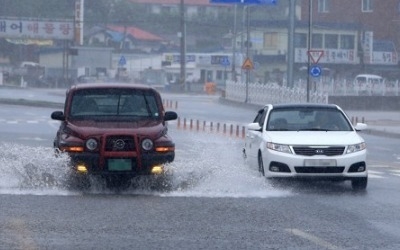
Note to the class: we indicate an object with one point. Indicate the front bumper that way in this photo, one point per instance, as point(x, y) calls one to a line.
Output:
point(338, 167)
point(119, 164)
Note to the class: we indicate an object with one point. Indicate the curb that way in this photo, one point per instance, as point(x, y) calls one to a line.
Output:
point(381, 133)
point(33, 103)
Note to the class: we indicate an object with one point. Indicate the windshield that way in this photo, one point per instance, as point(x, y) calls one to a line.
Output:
point(296, 119)
point(118, 103)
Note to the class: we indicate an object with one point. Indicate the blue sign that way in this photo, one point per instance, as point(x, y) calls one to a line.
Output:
point(315, 71)
point(225, 62)
point(273, 2)
point(122, 61)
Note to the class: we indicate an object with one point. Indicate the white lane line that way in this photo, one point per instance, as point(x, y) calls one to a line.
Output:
point(54, 124)
point(312, 238)
point(32, 122)
point(32, 139)
point(12, 122)
point(375, 174)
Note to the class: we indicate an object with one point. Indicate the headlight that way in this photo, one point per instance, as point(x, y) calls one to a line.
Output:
point(91, 144)
point(279, 147)
point(147, 144)
point(355, 148)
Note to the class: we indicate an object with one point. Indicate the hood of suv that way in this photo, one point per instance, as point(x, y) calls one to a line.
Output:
point(143, 127)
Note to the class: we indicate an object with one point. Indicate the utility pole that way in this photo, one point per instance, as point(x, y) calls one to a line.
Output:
point(310, 31)
point(247, 52)
point(290, 54)
point(234, 46)
point(183, 47)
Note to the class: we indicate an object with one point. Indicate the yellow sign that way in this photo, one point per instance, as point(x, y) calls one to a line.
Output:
point(248, 64)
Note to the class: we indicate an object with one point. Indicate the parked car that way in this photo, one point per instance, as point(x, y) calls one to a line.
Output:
point(115, 131)
point(314, 141)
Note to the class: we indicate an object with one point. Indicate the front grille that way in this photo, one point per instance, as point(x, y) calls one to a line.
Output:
point(319, 170)
point(310, 151)
point(120, 143)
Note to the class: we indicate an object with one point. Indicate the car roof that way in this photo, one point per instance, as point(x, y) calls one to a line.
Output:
point(369, 76)
point(303, 105)
point(110, 85)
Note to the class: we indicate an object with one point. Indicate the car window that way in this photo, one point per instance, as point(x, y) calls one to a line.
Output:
point(294, 119)
point(260, 117)
point(119, 103)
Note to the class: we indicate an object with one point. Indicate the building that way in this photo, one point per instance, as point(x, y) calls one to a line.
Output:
point(378, 28)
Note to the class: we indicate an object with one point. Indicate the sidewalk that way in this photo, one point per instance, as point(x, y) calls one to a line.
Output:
point(382, 123)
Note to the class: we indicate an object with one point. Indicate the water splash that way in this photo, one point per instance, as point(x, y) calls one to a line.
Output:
point(206, 165)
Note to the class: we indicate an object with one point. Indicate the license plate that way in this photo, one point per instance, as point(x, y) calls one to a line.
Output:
point(119, 164)
point(320, 162)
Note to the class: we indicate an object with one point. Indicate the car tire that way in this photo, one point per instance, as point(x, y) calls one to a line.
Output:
point(260, 165)
point(359, 183)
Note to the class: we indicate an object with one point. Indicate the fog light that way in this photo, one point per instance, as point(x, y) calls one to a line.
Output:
point(81, 168)
point(157, 170)
point(274, 168)
point(361, 169)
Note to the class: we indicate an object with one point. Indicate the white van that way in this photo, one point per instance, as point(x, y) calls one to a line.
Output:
point(368, 84)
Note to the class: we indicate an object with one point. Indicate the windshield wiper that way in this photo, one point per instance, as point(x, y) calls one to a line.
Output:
point(314, 129)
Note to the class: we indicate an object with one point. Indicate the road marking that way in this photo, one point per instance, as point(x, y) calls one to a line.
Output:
point(32, 139)
point(312, 238)
point(374, 174)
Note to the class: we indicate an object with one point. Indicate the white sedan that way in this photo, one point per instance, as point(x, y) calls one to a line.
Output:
point(316, 141)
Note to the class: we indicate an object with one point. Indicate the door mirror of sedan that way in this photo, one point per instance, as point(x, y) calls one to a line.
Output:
point(170, 115)
point(360, 126)
point(58, 115)
point(254, 126)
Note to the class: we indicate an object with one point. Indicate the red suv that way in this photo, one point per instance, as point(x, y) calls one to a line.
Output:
point(116, 131)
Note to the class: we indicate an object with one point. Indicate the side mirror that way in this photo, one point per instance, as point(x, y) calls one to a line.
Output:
point(170, 115)
point(254, 126)
point(58, 115)
point(360, 126)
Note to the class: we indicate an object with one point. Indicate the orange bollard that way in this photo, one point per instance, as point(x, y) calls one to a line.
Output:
point(179, 122)
point(243, 132)
point(184, 123)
